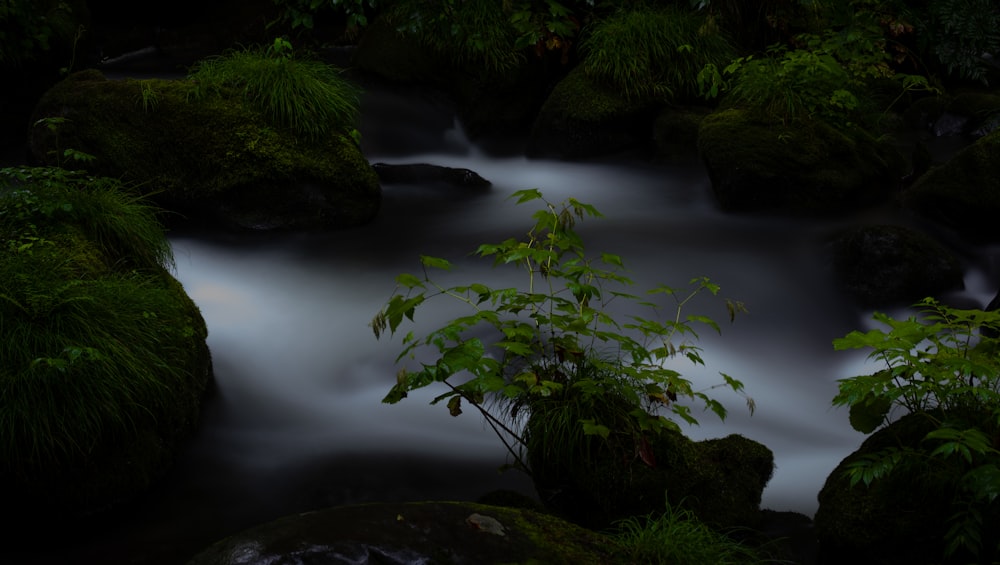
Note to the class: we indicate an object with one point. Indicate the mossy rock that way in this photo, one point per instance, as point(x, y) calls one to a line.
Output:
point(416, 532)
point(964, 193)
point(105, 361)
point(211, 156)
point(885, 265)
point(720, 480)
point(900, 519)
point(804, 168)
point(581, 118)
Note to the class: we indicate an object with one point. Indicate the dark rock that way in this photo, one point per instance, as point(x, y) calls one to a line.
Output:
point(901, 518)
point(806, 168)
point(420, 173)
point(719, 480)
point(417, 532)
point(964, 193)
point(212, 158)
point(880, 265)
point(582, 119)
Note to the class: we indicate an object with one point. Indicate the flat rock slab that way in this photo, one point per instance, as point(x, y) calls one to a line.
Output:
point(411, 533)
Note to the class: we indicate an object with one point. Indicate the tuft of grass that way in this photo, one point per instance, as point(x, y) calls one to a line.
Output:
point(304, 94)
point(94, 341)
point(677, 537)
point(654, 52)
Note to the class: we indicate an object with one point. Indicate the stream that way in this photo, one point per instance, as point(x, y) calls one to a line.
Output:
point(297, 422)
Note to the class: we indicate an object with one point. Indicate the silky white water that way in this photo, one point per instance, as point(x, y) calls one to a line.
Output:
point(298, 420)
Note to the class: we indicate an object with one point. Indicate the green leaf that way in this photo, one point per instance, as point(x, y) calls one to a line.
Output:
point(435, 262)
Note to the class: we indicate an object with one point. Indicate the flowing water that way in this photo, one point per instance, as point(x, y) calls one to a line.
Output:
point(297, 422)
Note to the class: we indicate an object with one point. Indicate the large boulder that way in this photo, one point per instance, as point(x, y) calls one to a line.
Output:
point(884, 264)
point(801, 168)
point(416, 532)
point(209, 157)
point(105, 364)
point(901, 518)
point(963, 193)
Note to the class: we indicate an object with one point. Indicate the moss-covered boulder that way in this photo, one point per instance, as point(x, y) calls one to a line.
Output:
point(417, 532)
point(204, 156)
point(104, 360)
point(964, 193)
point(901, 518)
point(675, 132)
point(581, 118)
point(801, 168)
point(719, 480)
point(885, 264)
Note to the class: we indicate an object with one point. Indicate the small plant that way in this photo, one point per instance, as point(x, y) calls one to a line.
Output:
point(148, 97)
point(67, 156)
point(303, 94)
point(553, 336)
point(944, 366)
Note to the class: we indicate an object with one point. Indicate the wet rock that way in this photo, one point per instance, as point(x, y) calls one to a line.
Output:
point(424, 173)
point(883, 264)
point(416, 532)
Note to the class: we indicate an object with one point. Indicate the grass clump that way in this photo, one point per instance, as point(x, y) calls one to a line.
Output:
point(654, 52)
point(306, 95)
point(677, 537)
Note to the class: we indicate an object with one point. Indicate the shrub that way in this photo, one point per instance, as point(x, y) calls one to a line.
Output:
point(303, 94)
point(655, 53)
point(945, 367)
point(555, 334)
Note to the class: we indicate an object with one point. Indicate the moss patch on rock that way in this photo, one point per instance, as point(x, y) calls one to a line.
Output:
point(209, 156)
point(805, 168)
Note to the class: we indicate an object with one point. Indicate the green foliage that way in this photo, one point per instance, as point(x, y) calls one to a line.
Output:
point(300, 14)
point(944, 365)
point(679, 538)
point(960, 32)
point(303, 94)
point(28, 28)
point(827, 74)
point(37, 201)
point(554, 334)
point(656, 53)
point(90, 336)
